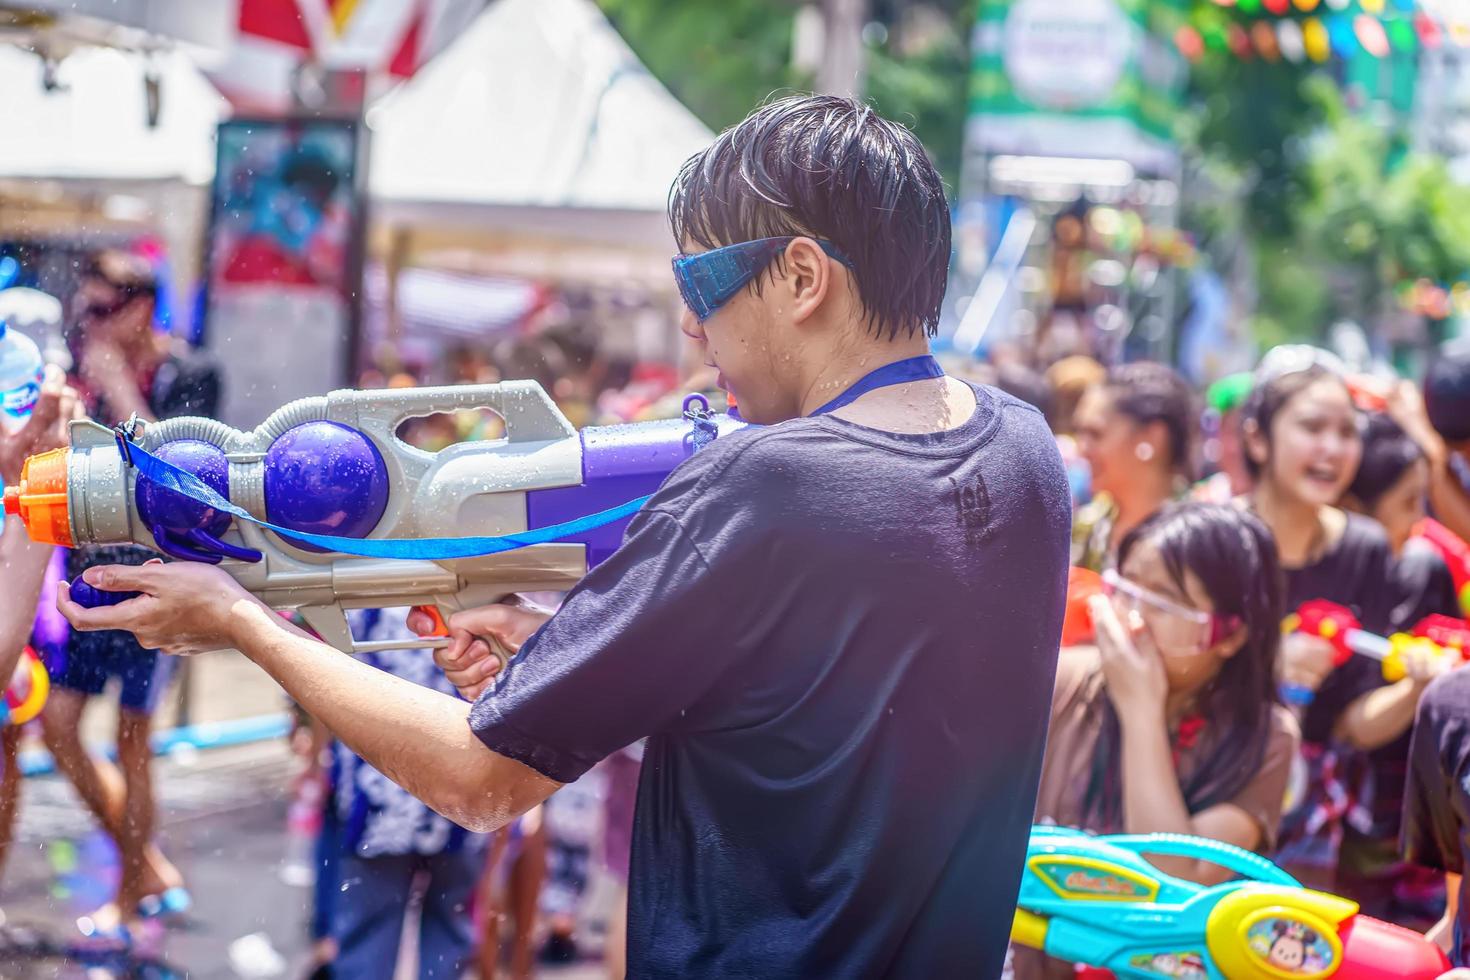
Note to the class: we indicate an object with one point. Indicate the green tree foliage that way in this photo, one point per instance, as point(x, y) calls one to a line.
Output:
point(1337, 209)
point(719, 58)
point(723, 57)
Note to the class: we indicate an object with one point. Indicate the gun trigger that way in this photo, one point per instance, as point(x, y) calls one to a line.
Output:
point(441, 628)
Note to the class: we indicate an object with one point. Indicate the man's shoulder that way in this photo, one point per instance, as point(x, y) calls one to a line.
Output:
point(746, 450)
point(762, 453)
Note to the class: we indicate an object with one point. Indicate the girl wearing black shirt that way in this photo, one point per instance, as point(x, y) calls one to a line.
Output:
point(1303, 447)
point(1391, 487)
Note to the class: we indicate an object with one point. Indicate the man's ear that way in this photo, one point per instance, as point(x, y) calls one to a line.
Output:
point(810, 277)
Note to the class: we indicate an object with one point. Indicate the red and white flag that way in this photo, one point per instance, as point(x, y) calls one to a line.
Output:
point(387, 37)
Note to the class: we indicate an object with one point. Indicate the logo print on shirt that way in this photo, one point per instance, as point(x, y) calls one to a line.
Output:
point(972, 508)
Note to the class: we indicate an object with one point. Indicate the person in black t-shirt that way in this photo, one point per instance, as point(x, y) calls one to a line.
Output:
point(126, 368)
point(1436, 819)
point(838, 629)
point(1303, 447)
point(1391, 487)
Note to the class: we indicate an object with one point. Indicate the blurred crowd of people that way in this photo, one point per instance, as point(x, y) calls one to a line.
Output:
point(1203, 520)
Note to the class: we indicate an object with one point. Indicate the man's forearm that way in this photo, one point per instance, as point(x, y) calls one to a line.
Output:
point(419, 738)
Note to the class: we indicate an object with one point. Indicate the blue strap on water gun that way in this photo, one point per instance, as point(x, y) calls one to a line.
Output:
point(181, 481)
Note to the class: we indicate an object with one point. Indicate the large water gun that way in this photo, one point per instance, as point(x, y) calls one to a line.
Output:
point(323, 508)
point(1097, 901)
point(1437, 636)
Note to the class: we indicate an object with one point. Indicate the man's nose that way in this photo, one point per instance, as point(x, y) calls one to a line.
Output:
point(690, 326)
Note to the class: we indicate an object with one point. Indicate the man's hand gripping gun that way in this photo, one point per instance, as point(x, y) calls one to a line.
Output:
point(323, 508)
point(1096, 901)
point(1435, 636)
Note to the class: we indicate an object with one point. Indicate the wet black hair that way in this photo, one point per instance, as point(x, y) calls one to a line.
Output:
point(1267, 398)
point(1447, 392)
point(1148, 392)
point(831, 168)
point(1388, 452)
point(1233, 556)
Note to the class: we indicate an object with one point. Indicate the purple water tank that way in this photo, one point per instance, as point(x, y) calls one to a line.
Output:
point(325, 478)
point(178, 515)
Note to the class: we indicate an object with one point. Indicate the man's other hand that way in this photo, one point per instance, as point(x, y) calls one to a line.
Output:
point(468, 660)
point(183, 608)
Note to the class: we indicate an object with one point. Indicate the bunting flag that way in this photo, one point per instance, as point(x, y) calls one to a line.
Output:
point(387, 37)
point(1317, 30)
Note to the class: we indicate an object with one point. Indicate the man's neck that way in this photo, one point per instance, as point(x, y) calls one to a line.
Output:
point(847, 363)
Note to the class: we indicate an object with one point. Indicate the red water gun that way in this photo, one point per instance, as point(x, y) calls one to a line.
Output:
point(1441, 636)
point(1334, 623)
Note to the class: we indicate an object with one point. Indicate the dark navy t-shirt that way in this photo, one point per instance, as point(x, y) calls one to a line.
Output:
point(1436, 824)
point(841, 643)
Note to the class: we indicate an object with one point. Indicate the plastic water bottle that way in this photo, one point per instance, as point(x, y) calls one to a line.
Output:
point(22, 370)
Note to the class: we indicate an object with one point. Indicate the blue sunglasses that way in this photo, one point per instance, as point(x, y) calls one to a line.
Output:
point(708, 280)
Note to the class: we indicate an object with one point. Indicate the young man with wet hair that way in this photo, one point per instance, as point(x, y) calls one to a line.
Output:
point(837, 628)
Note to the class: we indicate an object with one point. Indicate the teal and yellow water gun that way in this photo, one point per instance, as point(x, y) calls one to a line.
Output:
point(1096, 901)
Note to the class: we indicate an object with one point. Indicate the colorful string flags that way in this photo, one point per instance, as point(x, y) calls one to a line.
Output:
point(1317, 30)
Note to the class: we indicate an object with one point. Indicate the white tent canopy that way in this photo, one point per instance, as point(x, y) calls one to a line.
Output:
point(540, 103)
point(94, 125)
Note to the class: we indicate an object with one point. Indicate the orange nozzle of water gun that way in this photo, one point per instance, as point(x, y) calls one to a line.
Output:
point(39, 500)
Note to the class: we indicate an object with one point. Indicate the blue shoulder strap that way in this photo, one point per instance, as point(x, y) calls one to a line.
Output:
point(171, 477)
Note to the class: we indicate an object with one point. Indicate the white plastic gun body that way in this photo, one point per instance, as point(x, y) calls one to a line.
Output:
point(335, 465)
